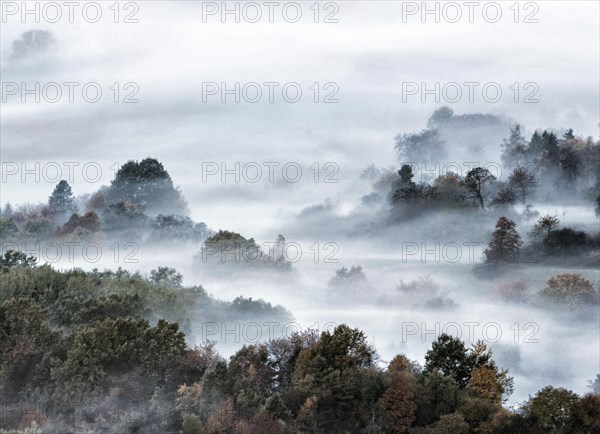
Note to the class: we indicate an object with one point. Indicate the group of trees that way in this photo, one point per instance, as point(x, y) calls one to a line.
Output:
point(124, 375)
point(547, 240)
point(569, 292)
point(75, 342)
point(545, 167)
point(451, 191)
point(229, 251)
point(141, 203)
point(332, 383)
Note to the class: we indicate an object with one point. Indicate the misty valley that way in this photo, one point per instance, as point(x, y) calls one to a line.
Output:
point(454, 290)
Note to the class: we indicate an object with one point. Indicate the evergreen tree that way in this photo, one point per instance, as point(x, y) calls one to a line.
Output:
point(536, 145)
point(146, 184)
point(505, 242)
point(514, 150)
point(62, 199)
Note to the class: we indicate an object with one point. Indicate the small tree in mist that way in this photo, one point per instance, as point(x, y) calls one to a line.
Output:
point(513, 292)
point(505, 197)
point(569, 289)
point(62, 200)
point(544, 225)
point(348, 277)
point(505, 243)
point(423, 286)
point(529, 213)
point(476, 181)
point(523, 181)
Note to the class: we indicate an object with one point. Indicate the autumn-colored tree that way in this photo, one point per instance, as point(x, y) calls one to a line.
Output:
point(261, 422)
point(570, 289)
point(222, 420)
point(450, 188)
point(397, 404)
point(484, 382)
point(513, 292)
point(453, 423)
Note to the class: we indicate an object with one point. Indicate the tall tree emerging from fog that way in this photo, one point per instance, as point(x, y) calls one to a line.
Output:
point(62, 200)
point(476, 181)
point(514, 150)
point(147, 184)
point(505, 243)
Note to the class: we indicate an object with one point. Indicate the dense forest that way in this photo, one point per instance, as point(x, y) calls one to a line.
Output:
point(126, 351)
point(79, 355)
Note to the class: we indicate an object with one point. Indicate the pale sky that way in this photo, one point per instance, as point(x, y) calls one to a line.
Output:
point(367, 55)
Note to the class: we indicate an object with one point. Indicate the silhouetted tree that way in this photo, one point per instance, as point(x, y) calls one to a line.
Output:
point(523, 181)
point(62, 200)
point(476, 181)
point(505, 243)
point(545, 225)
point(146, 184)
